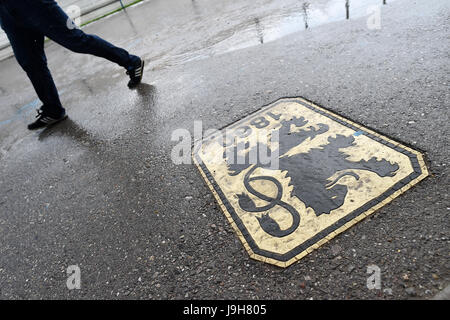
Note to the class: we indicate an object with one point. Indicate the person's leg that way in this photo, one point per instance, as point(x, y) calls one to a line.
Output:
point(28, 47)
point(47, 17)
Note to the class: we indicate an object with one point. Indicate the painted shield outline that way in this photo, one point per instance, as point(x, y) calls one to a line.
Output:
point(284, 260)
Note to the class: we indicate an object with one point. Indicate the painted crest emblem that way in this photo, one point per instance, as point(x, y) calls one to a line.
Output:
point(293, 175)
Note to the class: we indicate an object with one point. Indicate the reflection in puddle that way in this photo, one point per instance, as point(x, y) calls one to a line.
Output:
point(179, 31)
point(347, 9)
point(259, 31)
point(305, 8)
point(308, 16)
point(272, 27)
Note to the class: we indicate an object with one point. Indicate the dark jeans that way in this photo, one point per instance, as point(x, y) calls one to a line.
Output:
point(26, 22)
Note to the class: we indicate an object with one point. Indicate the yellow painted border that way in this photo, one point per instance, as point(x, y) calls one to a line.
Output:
point(341, 229)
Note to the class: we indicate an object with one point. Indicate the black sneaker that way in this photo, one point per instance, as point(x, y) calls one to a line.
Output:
point(136, 74)
point(45, 120)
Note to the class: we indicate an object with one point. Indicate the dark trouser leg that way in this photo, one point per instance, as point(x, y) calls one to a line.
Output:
point(28, 47)
point(50, 20)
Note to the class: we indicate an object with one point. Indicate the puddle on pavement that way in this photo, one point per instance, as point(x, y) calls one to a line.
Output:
point(173, 32)
point(264, 29)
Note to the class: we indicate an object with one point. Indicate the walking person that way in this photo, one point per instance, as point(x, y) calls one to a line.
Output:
point(27, 22)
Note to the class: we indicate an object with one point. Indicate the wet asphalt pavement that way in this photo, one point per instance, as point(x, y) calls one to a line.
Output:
point(100, 190)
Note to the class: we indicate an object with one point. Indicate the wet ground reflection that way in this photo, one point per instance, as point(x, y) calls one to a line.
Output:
point(172, 32)
point(265, 26)
point(68, 128)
